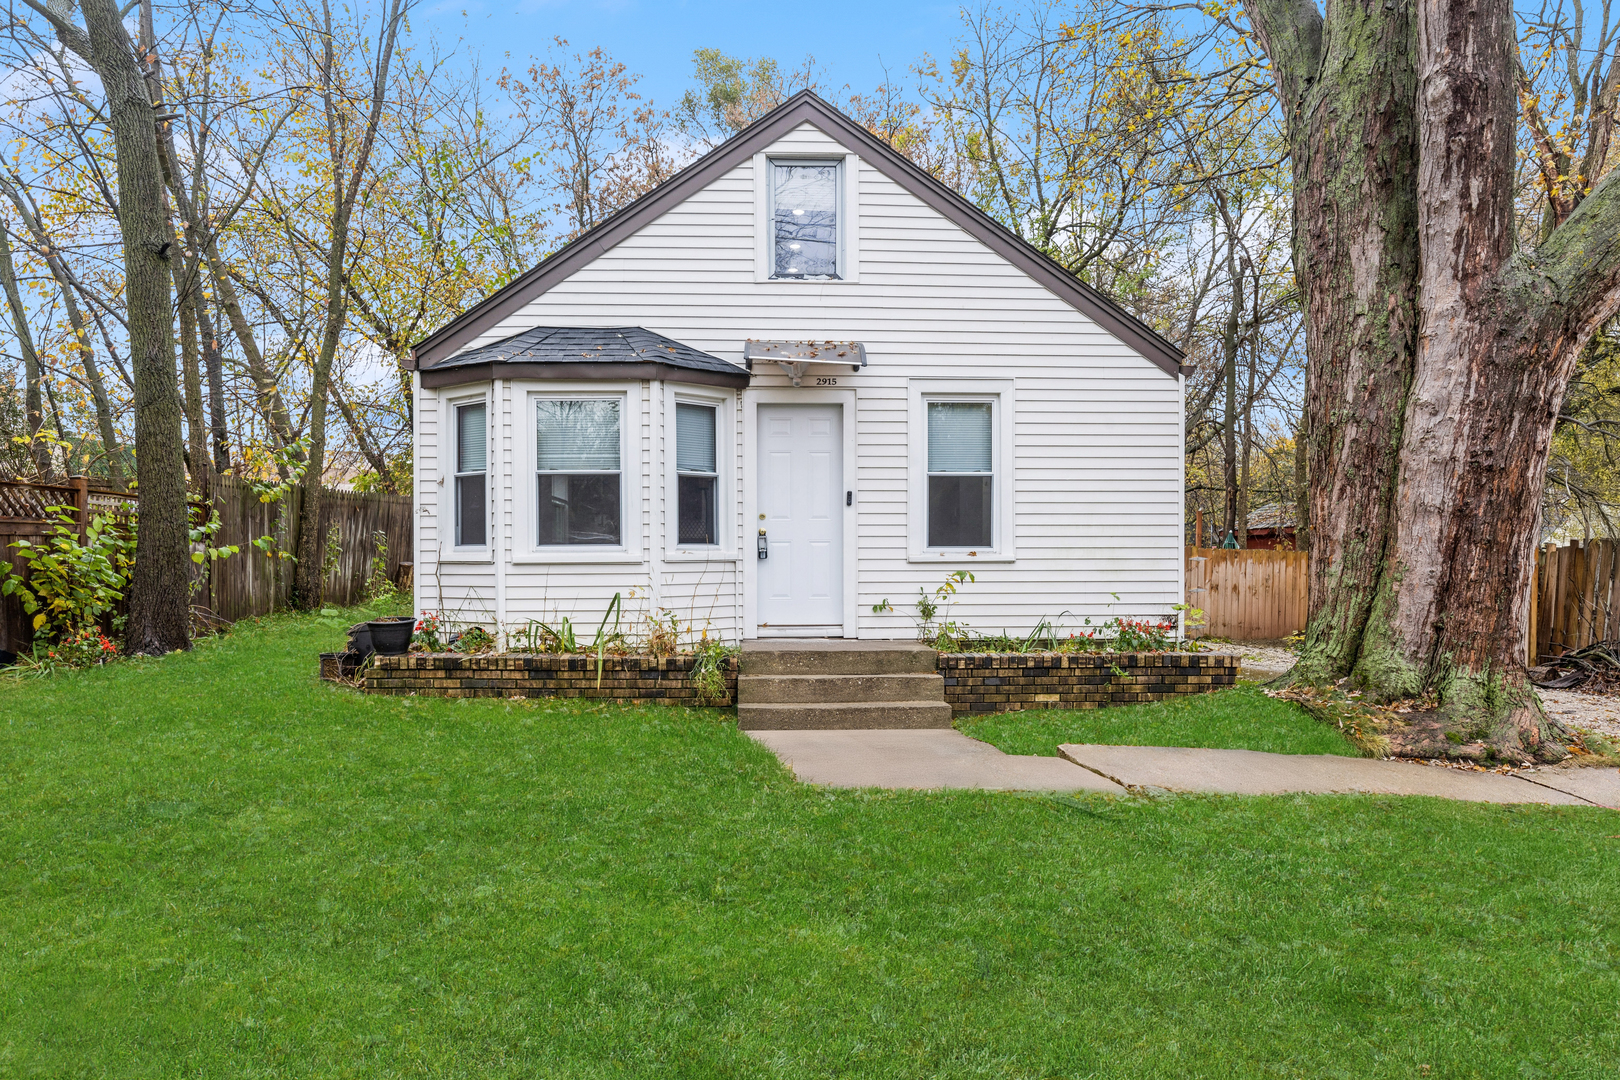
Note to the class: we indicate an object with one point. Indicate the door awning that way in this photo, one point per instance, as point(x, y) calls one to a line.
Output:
point(797, 357)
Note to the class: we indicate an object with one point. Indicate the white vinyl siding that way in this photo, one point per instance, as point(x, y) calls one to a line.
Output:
point(1092, 437)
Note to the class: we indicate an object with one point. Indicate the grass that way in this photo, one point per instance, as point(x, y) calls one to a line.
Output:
point(212, 865)
point(1240, 718)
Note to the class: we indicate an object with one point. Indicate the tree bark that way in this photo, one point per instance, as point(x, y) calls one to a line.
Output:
point(1347, 85)
point(1437, 441)
point(33, 407)
point(159, 615)
point(213, 366)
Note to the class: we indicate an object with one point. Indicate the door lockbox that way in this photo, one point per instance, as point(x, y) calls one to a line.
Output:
point(764, 552)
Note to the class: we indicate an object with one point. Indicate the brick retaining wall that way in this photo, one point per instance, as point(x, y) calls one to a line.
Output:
point(624, 678)
point(1008, 682)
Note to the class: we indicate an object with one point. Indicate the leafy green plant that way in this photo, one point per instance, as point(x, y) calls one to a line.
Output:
point(427, 632)
point(712, 661)
point(203, 549)
point(379, 586)
point(71, 584)
point(930, 607)
point(475, 639)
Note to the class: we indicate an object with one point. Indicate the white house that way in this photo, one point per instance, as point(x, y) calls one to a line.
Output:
point(799, 379)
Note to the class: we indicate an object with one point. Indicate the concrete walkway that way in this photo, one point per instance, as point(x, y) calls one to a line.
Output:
point(938, 758)
point(1246, 772)
point(921, 758)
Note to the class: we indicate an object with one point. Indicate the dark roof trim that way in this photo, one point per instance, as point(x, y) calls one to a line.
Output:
point(593, 371)
point(803, 107)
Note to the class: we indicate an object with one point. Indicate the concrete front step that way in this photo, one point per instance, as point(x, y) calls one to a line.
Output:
point(825, 689)
point(843, 715)
point(835, 656)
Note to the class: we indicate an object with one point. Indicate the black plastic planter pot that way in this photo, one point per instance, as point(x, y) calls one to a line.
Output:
point(391, 637)
point(360, 639)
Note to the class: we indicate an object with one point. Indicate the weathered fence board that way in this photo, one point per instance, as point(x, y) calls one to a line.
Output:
point(248, 583)
point(1574, 597)
point(1249, 594)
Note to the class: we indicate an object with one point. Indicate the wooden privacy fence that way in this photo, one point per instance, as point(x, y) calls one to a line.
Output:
point(1249, 594)
point(1574, 598)
point(252, 583)
point(248, 583)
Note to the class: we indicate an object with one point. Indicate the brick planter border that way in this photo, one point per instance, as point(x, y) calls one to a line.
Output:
point(624, 678)
point(1009, 682)
point(974, 682)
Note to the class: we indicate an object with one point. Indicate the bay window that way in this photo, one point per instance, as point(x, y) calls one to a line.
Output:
point(579, 475)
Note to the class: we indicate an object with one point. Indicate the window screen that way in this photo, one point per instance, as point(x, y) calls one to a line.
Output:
point(577, 454)
point(472, 456)
point(960, 480)
point(695, 475)
point(804, 210)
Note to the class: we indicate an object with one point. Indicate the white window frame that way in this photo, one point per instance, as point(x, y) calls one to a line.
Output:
point(526, 548)
point(848, 261)
point(449, 463)
point(999, 394)
point(724, 404)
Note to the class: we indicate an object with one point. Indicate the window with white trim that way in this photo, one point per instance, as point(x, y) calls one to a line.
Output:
point(472, 475)
point(696, 475)
point(961, 474)
point(804, 212)
point(580, 489)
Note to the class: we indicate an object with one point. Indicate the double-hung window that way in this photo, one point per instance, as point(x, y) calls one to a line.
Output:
point(695, 475)
point(577, 459)
point(804, 219)
point(961, 474)
point(472, 484)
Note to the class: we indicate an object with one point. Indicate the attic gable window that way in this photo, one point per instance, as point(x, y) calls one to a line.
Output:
point(804, 219)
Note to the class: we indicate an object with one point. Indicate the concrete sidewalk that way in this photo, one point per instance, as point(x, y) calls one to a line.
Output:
point(1247, 772)
point(930, 758)
point(921, 758)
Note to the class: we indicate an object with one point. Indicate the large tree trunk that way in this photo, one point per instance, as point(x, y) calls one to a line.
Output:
point(159, 614)
point(1429, 436)
point(1348, 88)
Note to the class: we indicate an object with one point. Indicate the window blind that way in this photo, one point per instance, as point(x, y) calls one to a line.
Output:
point(959, 437)
point(579, 436)
point(472, 439)
point(694, 438)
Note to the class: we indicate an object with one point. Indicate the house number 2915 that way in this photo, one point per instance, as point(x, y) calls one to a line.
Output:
point(826, 382)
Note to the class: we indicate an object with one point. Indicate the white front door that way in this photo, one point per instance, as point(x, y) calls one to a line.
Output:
point(801, 510)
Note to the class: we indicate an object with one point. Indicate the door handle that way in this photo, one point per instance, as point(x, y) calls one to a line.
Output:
point(764, 552)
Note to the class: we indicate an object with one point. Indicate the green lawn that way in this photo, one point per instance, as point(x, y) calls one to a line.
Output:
point(214, 866)
point(1241, 718)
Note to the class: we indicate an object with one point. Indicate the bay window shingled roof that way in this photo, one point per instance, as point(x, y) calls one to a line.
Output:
point(605, 345)
point(583, 352)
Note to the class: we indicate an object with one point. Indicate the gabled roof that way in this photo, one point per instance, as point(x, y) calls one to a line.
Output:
point(804, 107)
point(562, 352)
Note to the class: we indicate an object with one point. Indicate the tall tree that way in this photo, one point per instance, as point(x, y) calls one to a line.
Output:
point(350, 115)
point(159, 619)
point(1439, 353)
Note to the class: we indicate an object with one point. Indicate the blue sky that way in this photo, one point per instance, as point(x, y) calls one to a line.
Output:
point(852, 40)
